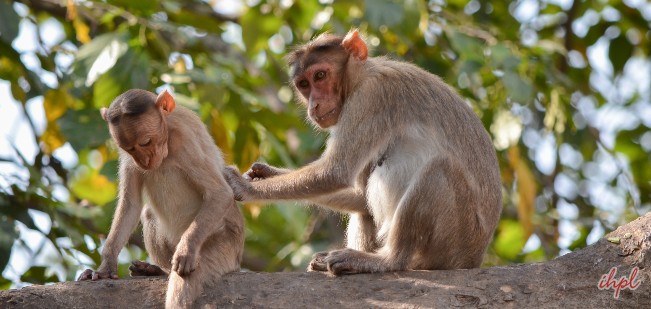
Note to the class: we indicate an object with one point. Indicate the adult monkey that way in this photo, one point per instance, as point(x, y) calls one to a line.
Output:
point(192, 228)
point(406, 157)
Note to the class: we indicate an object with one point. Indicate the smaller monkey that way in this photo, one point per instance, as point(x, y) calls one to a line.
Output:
point(406, 158)
point(193, 230)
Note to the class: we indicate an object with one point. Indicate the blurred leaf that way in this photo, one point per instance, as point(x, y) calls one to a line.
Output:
point(94, 187)
point(141, 6)
point(28, 199)
point(4, 284)
point(130, 71)
point(110, 170)
point(8, 234)
point(52, 138)
point(83, 128)
point(82, 30)
point(9, 21)
point(518, 88)
point(581, 241)
point(257, 28)
point(510, 239)
point(467, 47)
point(56, 102)
point(220, 134)
point(37, 275)
point(383, 12)
point(18, 92)
point(503, 58)
point(99, 56)
point(619, 51)
point(198, 20)
point(246, 147)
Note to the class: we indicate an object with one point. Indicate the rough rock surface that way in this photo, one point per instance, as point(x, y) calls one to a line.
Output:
point(570, 281)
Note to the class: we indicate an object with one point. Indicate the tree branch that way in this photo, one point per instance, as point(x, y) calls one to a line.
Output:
point(570, 281)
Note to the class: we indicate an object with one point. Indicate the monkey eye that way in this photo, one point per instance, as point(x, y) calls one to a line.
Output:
point(146, 143)
point(319, 75)
point(303, 84)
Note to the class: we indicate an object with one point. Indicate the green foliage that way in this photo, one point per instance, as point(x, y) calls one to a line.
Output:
point(530, 79)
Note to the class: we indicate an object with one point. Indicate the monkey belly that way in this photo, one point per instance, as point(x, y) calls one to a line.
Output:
point(394, 173)
point(172, 200)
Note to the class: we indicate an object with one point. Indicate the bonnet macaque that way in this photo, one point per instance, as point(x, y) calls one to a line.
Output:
point(406, 157)
point(193, 230)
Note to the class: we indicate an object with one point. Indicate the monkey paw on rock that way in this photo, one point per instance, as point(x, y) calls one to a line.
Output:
point(141, 268)
point(340, 262)
point(101, 273)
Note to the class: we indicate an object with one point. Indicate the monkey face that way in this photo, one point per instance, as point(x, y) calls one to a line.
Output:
point(137, 121)
point(319, 87)
point(144, 138)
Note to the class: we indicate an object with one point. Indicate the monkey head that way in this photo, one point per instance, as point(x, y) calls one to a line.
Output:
point(138, 123)
point(321, 74)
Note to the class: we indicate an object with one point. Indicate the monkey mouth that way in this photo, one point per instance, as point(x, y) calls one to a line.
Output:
point(326, 115)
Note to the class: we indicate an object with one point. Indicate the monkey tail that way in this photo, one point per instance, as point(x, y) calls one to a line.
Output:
point(182, 291)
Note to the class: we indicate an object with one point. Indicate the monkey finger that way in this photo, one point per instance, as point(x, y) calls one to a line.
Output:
point(320, 256)
point(263, 170)
point(251, 175)
point(317, 266)
point(318, 262)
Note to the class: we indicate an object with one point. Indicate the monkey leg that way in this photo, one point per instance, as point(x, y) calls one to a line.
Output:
point(360, 233)
point(437, 225)
point(359, 257)
point(219, 254)
point(159, 250)
point(440, 221)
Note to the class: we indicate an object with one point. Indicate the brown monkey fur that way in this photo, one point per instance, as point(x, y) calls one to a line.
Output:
point(407, 158)
point(192, 227)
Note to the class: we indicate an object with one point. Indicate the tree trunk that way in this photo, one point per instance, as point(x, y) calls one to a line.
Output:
point(570, 281)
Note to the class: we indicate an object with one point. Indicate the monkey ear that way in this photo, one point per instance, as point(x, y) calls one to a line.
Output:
point(165, 102)
point(102, 112)
point(355, 46)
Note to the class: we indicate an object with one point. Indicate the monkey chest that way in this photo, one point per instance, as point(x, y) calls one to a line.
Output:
point(172, 198)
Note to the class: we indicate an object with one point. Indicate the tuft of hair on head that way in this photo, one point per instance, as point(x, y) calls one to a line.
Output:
point(132, 102)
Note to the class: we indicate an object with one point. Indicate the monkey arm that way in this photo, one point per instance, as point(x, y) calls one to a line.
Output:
point(125, 219)
point(259, 171)
point(335, 171)
point(346, 200)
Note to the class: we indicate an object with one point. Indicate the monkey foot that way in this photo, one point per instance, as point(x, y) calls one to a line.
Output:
point(140, 268)
point(345, 262)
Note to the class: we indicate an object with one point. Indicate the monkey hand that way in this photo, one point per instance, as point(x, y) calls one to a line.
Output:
point(242, 188)
point(184, 260)
point(105, 271)
point(259, 171)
